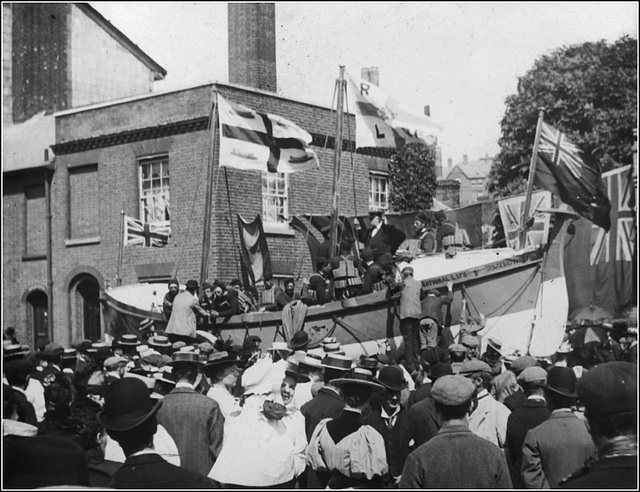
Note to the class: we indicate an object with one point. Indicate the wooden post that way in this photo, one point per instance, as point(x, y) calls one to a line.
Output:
point(121, 252)
point(532, 173)
point(206, 239)
point(340, 85)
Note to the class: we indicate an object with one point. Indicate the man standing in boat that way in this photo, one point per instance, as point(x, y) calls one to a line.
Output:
point(182, 324)
point(382, 238)
point(410, 310)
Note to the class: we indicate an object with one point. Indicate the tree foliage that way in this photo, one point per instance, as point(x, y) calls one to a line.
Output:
point(589, 92)
point(413, 178)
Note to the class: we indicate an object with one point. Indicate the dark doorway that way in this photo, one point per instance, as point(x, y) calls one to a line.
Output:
point(89, 294)
point(38, 318)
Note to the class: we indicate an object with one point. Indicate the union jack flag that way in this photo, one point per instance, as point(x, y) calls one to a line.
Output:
point(563, 170)
point(140, 233)
point(618, 244)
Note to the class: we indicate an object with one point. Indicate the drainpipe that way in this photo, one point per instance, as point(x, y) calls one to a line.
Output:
point(48, 177)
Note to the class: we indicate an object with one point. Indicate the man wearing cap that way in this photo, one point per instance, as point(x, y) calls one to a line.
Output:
point(320, 283)
point(609, 393)
point(53, 357)
point(488, 417)
point(471, 343)
point(446, 228)
point(283, 297)
point(193, 420)
point(114, 368)
point(389, 417)
point(182, 324)
point(426, 236)
point(493, 356)
point(410, 309)
point(382, 238)
point(169, 297)
point(505, 387)
point(455, 458)
point(561, 444)
point(129, 415)
point(431, 317)
point(458, 354)
point(530, 414)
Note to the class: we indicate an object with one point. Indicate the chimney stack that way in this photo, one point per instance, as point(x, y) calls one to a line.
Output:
point(364, 74)
point(374, 76)
point(252, 45)
point(465, 159)
point(427, 110)
point(449, 162)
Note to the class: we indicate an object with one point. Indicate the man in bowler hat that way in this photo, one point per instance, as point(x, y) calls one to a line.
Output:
point(609, 393)
point(129, 415)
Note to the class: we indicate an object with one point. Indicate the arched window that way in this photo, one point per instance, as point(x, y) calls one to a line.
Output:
point(85, 308)
point(37, 316)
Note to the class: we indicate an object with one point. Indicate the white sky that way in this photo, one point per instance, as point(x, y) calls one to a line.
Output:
point(462, 59)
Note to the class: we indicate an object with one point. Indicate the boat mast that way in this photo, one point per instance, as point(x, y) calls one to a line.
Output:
point(206, 240)
point(340, 88)
point(532, 173)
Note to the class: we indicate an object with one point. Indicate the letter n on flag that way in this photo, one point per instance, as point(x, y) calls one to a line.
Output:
point(140, 233)
point(262, 142)
point(255, 251)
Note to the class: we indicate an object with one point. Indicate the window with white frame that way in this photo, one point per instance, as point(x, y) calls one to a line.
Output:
point(275, 199)
point(154, 188)
point(378, 191)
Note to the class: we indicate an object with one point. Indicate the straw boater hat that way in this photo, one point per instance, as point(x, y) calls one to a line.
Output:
point(185, 357)
point(218, 359)
point(159, 341)
point(337, 362)
point(360, 376)
point(127, 404)
point(281, 348)
point(311, 360)
point(128, 340)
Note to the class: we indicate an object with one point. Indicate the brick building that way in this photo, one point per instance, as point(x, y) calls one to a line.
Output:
point(472, 176)
point(57, 56)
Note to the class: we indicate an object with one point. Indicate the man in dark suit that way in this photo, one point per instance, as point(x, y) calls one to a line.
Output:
point(129, 415)
point(530, 414)
point(382, 238)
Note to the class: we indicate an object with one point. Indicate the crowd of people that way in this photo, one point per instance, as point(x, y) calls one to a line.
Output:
point(163, 414)
point(163, 409)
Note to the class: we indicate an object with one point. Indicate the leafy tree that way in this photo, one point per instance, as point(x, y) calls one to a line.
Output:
point(413, 178)
point(589, 91)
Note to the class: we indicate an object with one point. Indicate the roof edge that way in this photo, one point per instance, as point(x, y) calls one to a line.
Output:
point(160, 72)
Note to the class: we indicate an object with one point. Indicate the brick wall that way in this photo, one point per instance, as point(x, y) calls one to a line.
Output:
point(252, 45)
point(116, 190)
point(7, 72)
point(39, 58)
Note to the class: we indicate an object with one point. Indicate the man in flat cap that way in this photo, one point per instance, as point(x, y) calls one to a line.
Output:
point(609, 393)
point(561, 444)
point(488, 417)
point(455, 458)
point(505, 387)
point(410, 309)
point(531, 413)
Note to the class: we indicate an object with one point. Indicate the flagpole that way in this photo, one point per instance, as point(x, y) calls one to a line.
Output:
point(531, 179)
point(340, 84)
point(233, 230)
point(206, 240)
point(121, 252)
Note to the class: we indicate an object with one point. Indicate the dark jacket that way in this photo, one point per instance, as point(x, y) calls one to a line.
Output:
point(386, 240)
point(150, 471)
point(423, 422)
point(432, 307)
point(326, 404)
point(620, 472)
point(395, 438)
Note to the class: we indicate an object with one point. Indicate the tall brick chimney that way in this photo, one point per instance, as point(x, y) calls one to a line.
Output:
point(252, 45)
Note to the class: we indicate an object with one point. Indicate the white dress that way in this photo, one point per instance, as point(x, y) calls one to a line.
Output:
point(226, 401)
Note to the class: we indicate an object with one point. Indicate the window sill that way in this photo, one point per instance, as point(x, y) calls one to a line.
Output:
point(34, 257)
point(69, 243)
point(278, 230)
